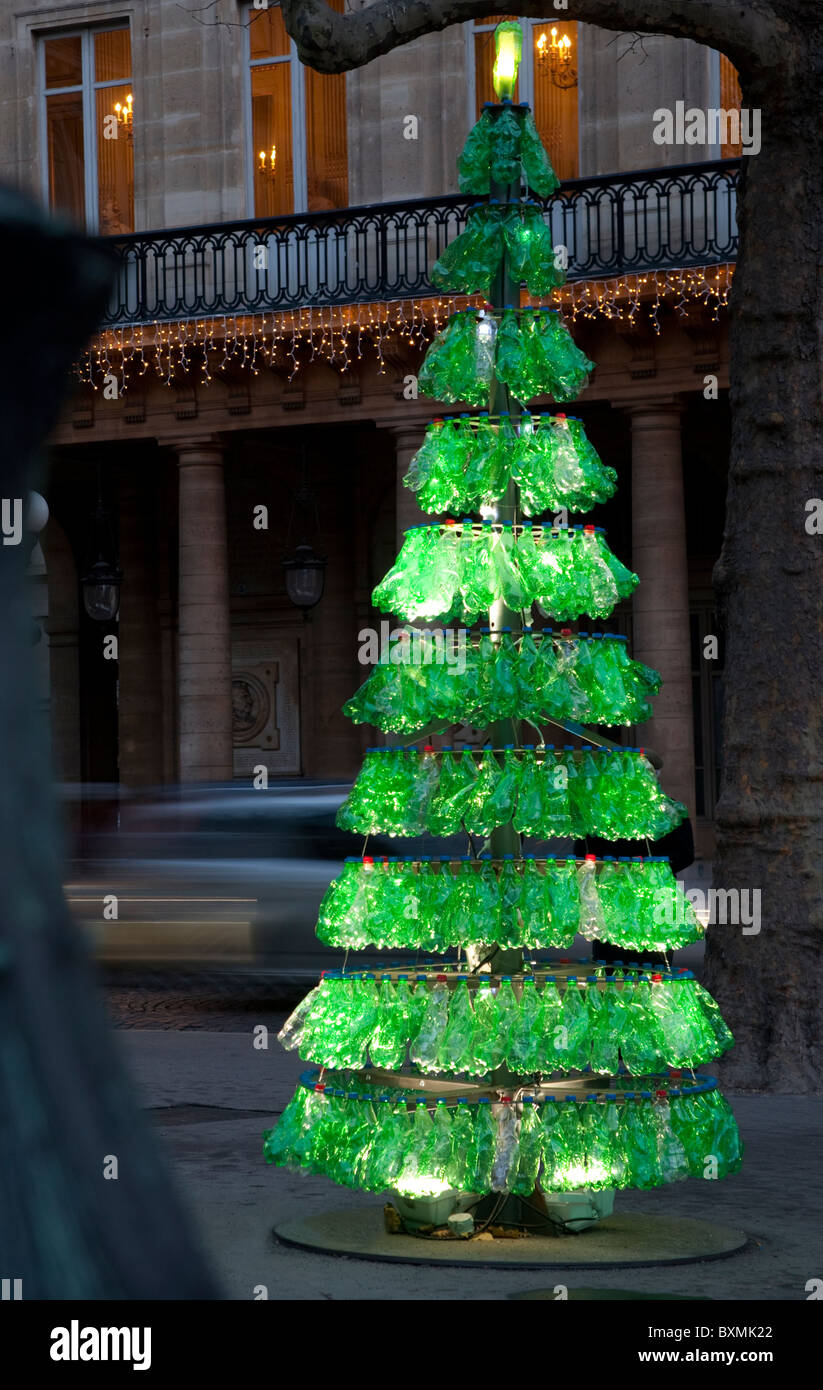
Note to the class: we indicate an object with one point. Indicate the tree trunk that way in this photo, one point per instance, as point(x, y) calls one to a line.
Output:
point(770, 582)
point(70, 1226)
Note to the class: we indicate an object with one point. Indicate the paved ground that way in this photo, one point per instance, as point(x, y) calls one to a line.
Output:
point(212, 1092)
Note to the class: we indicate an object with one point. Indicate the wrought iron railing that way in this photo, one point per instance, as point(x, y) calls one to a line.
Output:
point(616, 224)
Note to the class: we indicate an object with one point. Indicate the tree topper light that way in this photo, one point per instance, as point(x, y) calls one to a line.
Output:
point(508, 47)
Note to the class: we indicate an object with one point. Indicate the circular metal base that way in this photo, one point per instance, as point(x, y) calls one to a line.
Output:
point(585, 1085)
point(617, 1242)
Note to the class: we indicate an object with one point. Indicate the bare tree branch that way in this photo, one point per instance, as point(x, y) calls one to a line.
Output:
point(636, 45)
point(748, 31)
point(194, 13)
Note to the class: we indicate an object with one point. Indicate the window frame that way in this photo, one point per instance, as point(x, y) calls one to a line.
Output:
point(526, 71)
point(88, 87)
point(714, 151)
point(299, 152)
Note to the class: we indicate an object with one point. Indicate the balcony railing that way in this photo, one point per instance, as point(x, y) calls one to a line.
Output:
point(616, 224)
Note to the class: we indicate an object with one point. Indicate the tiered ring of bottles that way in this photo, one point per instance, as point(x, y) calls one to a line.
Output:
point(433, 676)
point(494, 229)
point(538, 1023)
point(530, 350)
point(457, 570)
point(502, 146)
point(539, 903)
point(464, 464)
point(374, 1136)
point(546, 793)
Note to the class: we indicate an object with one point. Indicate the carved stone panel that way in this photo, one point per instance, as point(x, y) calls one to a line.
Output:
point(265, 705)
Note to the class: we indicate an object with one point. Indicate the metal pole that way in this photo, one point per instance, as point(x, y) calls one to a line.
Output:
point(505, 840)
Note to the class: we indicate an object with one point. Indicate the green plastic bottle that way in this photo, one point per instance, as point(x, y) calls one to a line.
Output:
point(387, 1047)
point(524, 1042)
point(426, 1046)
point(456, 1046)
point(530, 1149)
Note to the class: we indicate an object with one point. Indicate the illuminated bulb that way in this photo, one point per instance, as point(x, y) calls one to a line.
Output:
point(421, 1186)
point(579, 1175)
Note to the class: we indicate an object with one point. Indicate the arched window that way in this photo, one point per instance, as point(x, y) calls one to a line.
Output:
point(540, 83)
point(298, 156)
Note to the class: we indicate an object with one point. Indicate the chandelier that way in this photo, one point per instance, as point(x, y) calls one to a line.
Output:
point(556, 57)
point(125, 114)
point(267, 162)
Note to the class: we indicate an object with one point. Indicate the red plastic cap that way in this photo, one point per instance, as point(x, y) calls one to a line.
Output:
point(367, 859)
point(320, 1088)
point(561, 415)
point(641, 750)
point(449, 521)
point(657, 979)
point(565, 632)
point(505, 1100)
point(661, 1093)
point(588, 528)
point(441, 977)
point(592, 857)
point(429, 748)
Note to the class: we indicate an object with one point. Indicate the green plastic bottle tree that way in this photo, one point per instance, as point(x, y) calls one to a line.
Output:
point(497, 1070)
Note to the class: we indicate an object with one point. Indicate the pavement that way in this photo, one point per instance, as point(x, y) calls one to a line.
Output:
point(211, 1092)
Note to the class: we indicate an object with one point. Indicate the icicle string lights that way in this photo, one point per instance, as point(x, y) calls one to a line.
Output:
point(341, 334)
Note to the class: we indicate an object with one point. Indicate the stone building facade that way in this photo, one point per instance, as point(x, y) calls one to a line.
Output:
point(217, 671)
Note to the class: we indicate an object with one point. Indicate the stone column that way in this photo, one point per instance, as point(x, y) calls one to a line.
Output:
point(407, 440)
point(64, 675)
point(61, 627)
point(204, 640)
point(168, 686)
point(660, 606)
point(140, 756)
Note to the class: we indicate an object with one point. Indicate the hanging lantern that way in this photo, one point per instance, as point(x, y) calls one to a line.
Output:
point(305, 577)
point(101, 583)
point(101, 591)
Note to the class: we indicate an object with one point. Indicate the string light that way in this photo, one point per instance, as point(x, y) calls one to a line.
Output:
point(341, 334)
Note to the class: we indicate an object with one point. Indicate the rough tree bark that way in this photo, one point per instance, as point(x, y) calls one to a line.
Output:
point(770, 574)
point(66, 1104)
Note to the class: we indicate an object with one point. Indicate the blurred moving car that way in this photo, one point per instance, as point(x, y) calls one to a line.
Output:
point(220, 874)
point(223, 875)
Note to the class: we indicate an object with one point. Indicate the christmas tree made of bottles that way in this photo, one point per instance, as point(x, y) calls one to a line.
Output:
point(502, 1073)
